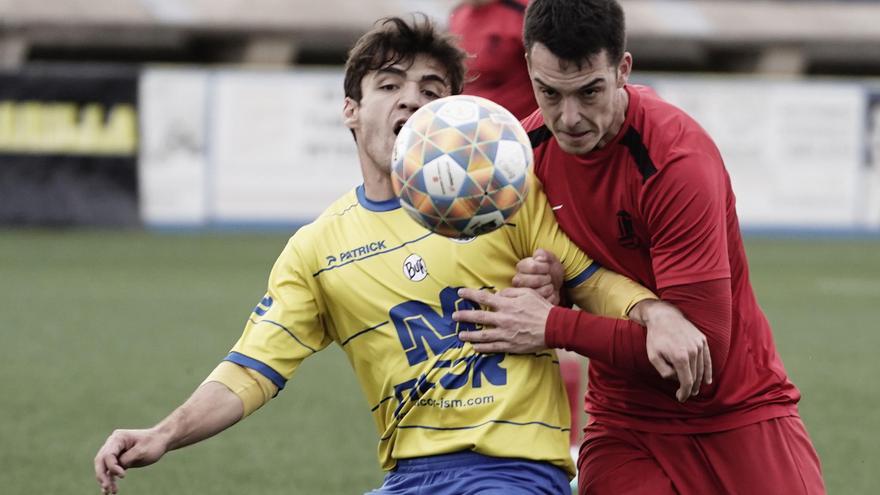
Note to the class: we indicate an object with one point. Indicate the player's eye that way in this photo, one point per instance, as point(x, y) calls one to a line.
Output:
point(430, 94)
point(590, 92)
point(388, 87)
point(549, 92)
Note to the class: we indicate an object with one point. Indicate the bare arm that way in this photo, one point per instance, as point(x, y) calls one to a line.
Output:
point(210, 409)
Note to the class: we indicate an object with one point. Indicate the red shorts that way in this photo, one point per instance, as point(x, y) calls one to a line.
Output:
point(770, 457)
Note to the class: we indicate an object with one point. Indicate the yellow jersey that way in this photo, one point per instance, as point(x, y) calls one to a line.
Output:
point(366, 276)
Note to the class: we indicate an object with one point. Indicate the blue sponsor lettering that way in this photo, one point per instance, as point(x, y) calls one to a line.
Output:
point(489, 366)
point(411, 390)
point(358, 251)
point(476, 368)
point(419, 325)
point(420, 328)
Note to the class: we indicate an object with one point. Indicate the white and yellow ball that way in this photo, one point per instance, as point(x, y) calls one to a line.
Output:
point(460, 166)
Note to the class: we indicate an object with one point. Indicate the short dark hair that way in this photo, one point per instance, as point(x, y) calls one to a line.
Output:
point(393, 40)
point(576, 30)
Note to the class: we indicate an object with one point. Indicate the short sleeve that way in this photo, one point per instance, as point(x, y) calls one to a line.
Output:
point(684, 205)
point(537, 228)
point(286, 326)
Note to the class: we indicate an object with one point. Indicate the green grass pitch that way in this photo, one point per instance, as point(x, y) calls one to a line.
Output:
point(104, 330)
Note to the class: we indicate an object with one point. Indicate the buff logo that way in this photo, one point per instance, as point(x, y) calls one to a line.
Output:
point(357, 252)
point(414, 268)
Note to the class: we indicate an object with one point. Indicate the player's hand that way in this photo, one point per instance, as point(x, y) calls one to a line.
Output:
point(676, 348)
point(125, 449)
point(516, 321)
point(542, 272)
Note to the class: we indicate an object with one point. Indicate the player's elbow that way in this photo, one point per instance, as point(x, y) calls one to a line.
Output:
point(719, 349)
point(709, 307)
point(718, 331)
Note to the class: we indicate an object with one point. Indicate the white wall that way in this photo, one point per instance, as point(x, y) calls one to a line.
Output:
point(267, 147)
point(246, 147)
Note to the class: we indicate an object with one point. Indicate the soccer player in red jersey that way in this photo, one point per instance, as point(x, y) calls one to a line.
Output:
point(642, 188)
point(491, 32)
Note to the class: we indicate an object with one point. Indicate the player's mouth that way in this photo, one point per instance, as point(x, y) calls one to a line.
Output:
point(575, 135)
point(398, 125)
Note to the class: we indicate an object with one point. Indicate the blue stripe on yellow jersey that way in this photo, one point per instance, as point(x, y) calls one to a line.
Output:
point(367, 277)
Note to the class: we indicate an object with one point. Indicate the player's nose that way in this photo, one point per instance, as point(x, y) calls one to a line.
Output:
point(410, 96)
point(571, 114)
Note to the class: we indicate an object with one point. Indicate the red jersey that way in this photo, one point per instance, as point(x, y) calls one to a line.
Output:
point(492, 34)
point(656, 204)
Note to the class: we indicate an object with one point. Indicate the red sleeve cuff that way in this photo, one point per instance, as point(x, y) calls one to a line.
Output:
point(619, 343)
point(560, 318)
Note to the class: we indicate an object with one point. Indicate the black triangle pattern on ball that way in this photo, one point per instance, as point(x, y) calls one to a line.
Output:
point(489, 148)
point(518, 182)
point(508, 134)
point(417, 181)
point(470, 188)
point(437, 124)
point(431, 152)
point(486, 206)
point(462, 156)
point(441, 205)
point(469, 130)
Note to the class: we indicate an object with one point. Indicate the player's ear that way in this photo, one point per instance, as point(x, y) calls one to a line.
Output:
point(350, 113)
point(624, 69)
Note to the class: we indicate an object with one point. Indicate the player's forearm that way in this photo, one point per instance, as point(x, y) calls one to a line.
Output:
point(620, 343)
point(623, 344)
point(600, 332)
point(211, 409)
point(708, 305)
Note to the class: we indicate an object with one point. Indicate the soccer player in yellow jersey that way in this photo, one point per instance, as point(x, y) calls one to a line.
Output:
point(366, 277)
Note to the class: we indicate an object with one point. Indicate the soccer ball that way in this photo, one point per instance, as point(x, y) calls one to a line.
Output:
point(460, 164)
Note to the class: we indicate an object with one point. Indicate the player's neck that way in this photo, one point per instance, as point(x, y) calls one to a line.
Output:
point(619, 118)
point(377, 183)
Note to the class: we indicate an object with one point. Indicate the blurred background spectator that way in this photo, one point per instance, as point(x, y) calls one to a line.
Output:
point(491, 32)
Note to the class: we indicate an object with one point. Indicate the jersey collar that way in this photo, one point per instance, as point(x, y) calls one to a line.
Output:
point(387, 205)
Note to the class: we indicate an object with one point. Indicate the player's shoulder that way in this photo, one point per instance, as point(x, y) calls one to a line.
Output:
point(340, 211)
point(309, 244)
point(538, 133)
point(666, 131)
point(339, 208)
point(534, 121)
point(666, 122)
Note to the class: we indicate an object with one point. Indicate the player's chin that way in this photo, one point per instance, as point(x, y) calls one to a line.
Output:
point(576, 143)
point(577, 146)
